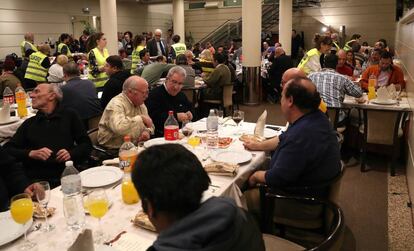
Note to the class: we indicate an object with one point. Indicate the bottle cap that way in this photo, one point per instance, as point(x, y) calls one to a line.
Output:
point(170, 112)
point(127, 138)
point(69, 163)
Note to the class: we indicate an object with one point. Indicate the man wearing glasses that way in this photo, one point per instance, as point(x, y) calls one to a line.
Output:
point(126, 114)
point(168, 97)
point(157, 46)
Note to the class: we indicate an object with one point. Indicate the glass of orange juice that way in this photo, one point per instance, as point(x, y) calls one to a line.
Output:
point(21, 209)
point(97, 204)
point(194, 141)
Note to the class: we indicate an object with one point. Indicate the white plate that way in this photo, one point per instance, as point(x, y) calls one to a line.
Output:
point(384, 102)
point(159, 141)
point(10, 230)
point(100, 176)
point(101, 247)
point(199, 126)
point(270, 133)
point(10, 121)
point(231, 156)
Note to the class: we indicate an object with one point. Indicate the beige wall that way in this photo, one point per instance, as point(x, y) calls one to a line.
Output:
point(50, 18)
point(405, 50)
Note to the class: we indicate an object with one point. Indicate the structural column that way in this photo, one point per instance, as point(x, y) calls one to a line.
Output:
point(178, 19)
point(251, 31)
point(285, 25)
point(109, 24)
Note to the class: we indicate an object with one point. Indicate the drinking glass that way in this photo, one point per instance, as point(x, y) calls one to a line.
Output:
point(398, 90)
point(194, 141)
point(97, 204)
point(21, 209)
point(238, 117)
point(42, 191)
point(220, 116)
point(186, 129)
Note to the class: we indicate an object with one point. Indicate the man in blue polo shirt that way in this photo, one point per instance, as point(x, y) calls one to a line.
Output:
point(308, 152)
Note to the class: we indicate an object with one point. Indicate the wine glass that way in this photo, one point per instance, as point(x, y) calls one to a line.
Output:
point(42, 191)
point(238, 117)
point(220, 116)
point(186, 128)
point(97, 204)
point(398, 90)
point(21, 209)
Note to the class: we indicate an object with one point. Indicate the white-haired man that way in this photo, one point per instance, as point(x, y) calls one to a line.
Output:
point(45, 141)
point(126, 114)
point(157, 45)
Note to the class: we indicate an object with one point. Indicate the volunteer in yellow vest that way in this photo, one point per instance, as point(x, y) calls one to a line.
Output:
point(354, 38)
point(63, 48)
point(177, 48)
point(97, 59)
point(27, 46)
point(38, 66)
point(311, 61)
point(139, 44)
point(206, 61)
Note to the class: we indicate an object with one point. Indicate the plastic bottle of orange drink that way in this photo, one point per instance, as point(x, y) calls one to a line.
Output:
point(128, 153)
point(372, 82)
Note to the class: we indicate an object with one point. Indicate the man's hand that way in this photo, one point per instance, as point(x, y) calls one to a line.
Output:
point(147, 120)
point(181, 116)
point(30, 190)
point(144, 136)
point(40, 154)
point(189, 115)
point(62, 155)
point(257, 177)
point(252, 145)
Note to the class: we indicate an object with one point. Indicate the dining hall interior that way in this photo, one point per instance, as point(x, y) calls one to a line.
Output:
point(206, 125)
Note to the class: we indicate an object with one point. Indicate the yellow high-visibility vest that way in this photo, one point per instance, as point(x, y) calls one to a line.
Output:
point(347, 47)
point(135, 58)
point(336, 45)
point(179, 48)
point(23, 44)
point(60, 47)
point(303, 63)
point(102, 77)
point(35, 70)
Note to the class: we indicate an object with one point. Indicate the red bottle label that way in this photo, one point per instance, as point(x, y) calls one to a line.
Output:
point(8, 99)
point(171, 132)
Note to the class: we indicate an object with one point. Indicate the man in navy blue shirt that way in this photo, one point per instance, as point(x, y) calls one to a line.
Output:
point(308, 152)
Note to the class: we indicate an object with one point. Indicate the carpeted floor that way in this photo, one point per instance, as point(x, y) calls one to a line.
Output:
point(363, 197)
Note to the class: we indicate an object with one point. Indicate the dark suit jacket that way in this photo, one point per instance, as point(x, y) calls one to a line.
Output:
point(279, 66)
point(153, 50)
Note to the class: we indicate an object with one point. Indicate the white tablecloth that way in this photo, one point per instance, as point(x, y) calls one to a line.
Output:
point(119, 216)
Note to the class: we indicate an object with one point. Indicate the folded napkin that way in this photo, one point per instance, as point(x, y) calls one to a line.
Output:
point(141, 220)
point(111, 162)
point(5, 112)
point(383, 94)
point(260, 125)
point(392, 91)
point(84, 242)
point(222, 169)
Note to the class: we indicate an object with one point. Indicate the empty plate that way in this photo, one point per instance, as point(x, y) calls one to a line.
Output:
point(101, 176)
point(9, 229)
point(231, 156)
point(384, 102)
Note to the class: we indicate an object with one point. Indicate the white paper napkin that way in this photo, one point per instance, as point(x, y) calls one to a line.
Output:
point(392, 91)
point(260, 124)
point(383, 94)
point(5, 112)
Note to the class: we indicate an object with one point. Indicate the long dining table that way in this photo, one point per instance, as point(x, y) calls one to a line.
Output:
point(401, 105)
point(119, 216)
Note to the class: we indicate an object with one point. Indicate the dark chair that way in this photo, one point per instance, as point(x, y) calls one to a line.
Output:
point(98, 153)
point(331, 234)
point(226, 101)
point(94, 122)
point(333, 115)
point(381, 128)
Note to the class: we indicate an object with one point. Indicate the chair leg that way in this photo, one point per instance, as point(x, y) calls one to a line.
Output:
point(363, 159)
point(393, 162)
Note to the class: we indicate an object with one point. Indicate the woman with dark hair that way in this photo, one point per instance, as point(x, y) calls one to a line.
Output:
point(311, 61)
point(181, 60)
point(97, 57)
point(139, 44)
point(8, 79)
point(350, 59)
point(128, 45)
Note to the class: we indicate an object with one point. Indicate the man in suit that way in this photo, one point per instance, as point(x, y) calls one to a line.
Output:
point(157, 46)
point(280, 64)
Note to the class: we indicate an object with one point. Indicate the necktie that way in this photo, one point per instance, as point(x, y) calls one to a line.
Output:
point(162, 48)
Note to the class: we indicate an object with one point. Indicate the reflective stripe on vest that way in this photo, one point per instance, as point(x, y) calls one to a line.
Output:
point(60, 47)
point(302, 65)
point(336, 45)
point(101, 78)
point(135, 58)
point(179, 48)
point(23, 44)
point(35, 70)
point(347, 47)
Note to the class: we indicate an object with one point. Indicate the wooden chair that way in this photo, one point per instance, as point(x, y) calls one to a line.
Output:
point(333, 115)
point(381, 127)
point(226, 101)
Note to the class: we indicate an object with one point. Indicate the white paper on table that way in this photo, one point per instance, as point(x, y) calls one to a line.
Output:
point(5, 112)
point(132, 242)
point(392, 91)
point(260, 125)
point(382, 94)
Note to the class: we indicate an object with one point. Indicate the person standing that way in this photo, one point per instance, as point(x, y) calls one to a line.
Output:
point(157, 46)
point(311, 62)
point(139, 44)
point(177, 48)
point(63, 48)
point(97, 58)
point(27, 46)
point(38, 66)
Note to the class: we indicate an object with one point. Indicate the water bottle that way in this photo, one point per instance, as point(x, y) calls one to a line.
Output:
point(171, 127)
point(8, 96)
point(212, 129)
point(72, 197)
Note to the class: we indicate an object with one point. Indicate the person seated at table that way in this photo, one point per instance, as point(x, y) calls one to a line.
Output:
point(38, 67)
point(189, 81)
point(385, 72)
point(181, 219)
point(342, 67)
point(56, 70)
point(80, 94)
point(126, 114)
point(373, 59)
point(47, 140)
point(309, 135)
point(153, 72)
point(333, 86)
point(8, 78)
point(145, 60)
point(168, 97)
point(117, 76)
point(193, 62)
point(215, 81)
point(63, 48)
point(206, 61)
point(13, 180)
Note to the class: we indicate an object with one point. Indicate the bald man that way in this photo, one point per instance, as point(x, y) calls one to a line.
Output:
point(308, 152)
point(126, 114)
point(342, 67)
point(27, 46)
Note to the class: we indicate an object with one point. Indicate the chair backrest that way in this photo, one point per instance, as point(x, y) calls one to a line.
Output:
point(189, 94)
point(94, 122)
point(381, 127)
point(93, 136)
point(227, 96)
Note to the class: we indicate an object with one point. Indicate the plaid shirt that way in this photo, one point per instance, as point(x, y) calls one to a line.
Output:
point(333, 86)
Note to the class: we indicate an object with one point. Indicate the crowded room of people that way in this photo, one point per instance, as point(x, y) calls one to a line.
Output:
point(215, 125)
